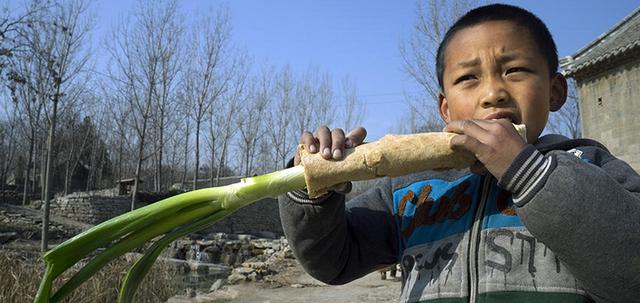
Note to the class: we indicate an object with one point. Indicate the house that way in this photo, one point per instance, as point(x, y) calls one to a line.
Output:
point(607, 72)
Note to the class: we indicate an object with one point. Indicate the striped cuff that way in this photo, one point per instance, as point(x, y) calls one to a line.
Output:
point(301, 196)
point(527, 174)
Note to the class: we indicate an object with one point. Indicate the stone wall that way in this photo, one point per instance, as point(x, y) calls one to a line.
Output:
point(98, 206)
point(90, 208)
point(609, 106)
point(256, 218)
point(261, 216)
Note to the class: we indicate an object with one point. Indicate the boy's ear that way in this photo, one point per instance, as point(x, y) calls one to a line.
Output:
point(558, 92)
point(443, 107)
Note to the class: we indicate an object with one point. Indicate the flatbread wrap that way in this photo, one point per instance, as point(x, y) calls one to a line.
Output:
point(392, 155)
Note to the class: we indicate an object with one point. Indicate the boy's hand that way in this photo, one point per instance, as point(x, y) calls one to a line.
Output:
point(495, 143)
point(331, 145)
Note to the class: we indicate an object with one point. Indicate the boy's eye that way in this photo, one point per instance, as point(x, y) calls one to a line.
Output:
point(517, 69)
point(464, 78)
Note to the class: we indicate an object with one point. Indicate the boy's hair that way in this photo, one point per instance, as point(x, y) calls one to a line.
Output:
point(502, 12)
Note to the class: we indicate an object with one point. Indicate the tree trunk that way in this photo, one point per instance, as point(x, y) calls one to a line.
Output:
point(156, 168)
point(195, 173)
point(44, 245)
point(9, 160)
point(160, 154)
point(186, 155)
point(172, 171)
point(120, 154)
point(67, 172)
point(221, 163)
point(93, 163)
point(136, 181)
point(246, 161)
point(34, 170)
point(213, 161)
point(43, 170)
point(27, 173)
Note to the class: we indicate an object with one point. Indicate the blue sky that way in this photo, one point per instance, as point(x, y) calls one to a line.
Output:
point(360, 38)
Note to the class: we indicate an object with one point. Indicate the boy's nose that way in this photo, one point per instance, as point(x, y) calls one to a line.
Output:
point(494, 93)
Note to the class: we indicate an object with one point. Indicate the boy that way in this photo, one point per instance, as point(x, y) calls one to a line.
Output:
point(556, 220)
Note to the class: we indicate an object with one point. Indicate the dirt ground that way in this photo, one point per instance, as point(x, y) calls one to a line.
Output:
point(289, 284)
point(295, 286)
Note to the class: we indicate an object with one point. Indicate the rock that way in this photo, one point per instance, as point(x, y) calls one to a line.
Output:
point(216, 285)
point(191, 292)
point(253, 277)
point(235, 278)
point(242, 270)
point(297, 285)
point(206, 242)
point(245, 237)
point(255, 265)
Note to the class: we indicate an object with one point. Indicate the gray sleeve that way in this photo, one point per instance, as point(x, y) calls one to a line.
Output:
point(587, 211)
point(337, 242)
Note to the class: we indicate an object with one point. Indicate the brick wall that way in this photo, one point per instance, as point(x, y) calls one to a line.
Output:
point(610, 107)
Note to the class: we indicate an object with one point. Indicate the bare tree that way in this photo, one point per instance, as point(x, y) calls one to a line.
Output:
point(169, 68)
point(250, 124)
point(323, 109)
point(225, 115)
point(207, 77)
point(313, 105)
point(98, 152)
point(8, 142)
point(13, 24)
point(433, 19)
point(30, 106)
point(280, 117)
point(57, 39)
point(566, 121)
point(78, 138)
point(187, 137)
point(120, 116)
point(139, 48)
point(354, 107)
point(413, 123)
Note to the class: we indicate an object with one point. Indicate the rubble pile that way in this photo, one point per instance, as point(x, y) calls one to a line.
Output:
point(249, 257)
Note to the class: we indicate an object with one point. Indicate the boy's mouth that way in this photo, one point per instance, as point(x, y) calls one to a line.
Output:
point(503, 115)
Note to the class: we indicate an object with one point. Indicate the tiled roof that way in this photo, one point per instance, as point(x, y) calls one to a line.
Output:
point(621, 40)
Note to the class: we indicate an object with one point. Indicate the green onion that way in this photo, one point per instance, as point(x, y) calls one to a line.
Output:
point(168, 219)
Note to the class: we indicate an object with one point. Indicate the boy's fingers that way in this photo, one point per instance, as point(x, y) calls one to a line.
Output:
point(467, 142)
point(467, 127)
point(355, 137)
point(337, 143)
point(324, 138)
point(309, 142)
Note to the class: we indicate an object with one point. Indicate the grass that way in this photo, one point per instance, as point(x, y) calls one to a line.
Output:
point(20, 275)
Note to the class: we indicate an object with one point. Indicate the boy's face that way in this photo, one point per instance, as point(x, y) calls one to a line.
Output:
point(495, 70)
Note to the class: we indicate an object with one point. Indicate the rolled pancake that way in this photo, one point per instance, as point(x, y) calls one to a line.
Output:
point(392, 155)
